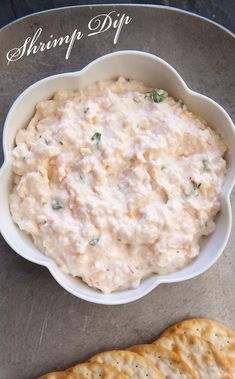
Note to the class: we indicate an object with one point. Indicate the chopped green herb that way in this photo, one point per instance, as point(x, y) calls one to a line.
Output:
point(195, 185)
point(195, 188)
point(94, 241)
point(44, 222)
point(44, 202)
point(158, 95)
point(163, 167)
point(40, 172)
point(56, 204)
point(204, 224)
point(96, 137)
point(86, 110)
point(182, 105)
point(61, 142)
point(206, 165)
point(81, 177)
point(46, 141)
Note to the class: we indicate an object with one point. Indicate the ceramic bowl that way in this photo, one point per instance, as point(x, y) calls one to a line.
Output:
point(155, 72)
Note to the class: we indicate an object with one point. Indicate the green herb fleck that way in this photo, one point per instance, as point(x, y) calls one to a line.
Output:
point(61, 142)
point(195, 188)
point(195, 184)
point(96, 137)
point(46, 141)
point(163, 167)
point(182, 105)
point(204, 224)
point(45, 222)
point(137, 100)
point(94, 241)
point(158, 95)
point(206, 165)
point(44, 202)
point(56, 204)
point(86, 110)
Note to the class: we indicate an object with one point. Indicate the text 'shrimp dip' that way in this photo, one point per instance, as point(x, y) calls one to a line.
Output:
point(97, 25)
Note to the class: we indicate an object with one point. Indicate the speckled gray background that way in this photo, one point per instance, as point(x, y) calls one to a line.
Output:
point(42, 327)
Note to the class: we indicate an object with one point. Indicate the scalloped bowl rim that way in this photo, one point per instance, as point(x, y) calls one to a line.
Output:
point(132, 294)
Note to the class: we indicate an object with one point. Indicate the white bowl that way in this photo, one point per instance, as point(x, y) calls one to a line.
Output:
point(156, 73)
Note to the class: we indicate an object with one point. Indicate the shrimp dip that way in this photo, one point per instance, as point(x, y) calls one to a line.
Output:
point(116, 182)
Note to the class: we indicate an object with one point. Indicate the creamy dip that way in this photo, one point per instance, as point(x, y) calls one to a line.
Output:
point(117, 181)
